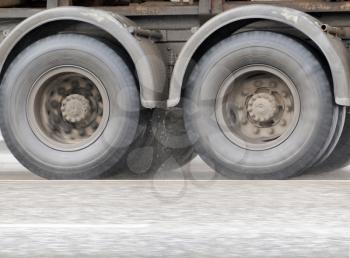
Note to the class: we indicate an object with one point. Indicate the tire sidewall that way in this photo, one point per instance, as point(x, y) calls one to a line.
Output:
point(119, 84)
point(301, 147)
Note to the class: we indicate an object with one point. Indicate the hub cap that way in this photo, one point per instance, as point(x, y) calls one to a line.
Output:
point(262, 107)
point(257, 107)
point(75, 108)
point(68, 108)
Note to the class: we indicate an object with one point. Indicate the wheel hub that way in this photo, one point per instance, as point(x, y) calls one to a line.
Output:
point(68, 108)
point(262, 107)
point(257, 107)
point(75, 108)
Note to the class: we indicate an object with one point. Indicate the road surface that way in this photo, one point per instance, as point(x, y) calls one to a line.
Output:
point(288, 219)
point(197, 214)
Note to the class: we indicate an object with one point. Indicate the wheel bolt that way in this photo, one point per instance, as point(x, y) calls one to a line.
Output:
point(271, 131)
point(67, 129)
point(54, 104)
point(53, 127)
point(81, 132)
point(273, 84)
point(244, 121)
point(284, 94)
point(62, 91)
point(94, 125)
point(289, 108)
point(283, 122)
point(75, 84)
point(256, 130)
point(257, 83)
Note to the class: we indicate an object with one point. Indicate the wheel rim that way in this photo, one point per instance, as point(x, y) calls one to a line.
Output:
point(68, 108)
point(257, 107)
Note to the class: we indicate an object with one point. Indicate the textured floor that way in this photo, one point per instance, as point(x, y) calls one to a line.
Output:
point(175, 219)
point(197, 214)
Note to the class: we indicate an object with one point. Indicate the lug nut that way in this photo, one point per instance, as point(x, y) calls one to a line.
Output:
point(67, 129)
point(273, 84)
point(244, 121)
point(61, 91)
point(257, 83)
point(54, 104)
point(289, 108)
point(94, 125)
point(271, 131)
point(256, 130)
point(81, 132)
point(75, 84)
point(283, 122)
point(52, 127)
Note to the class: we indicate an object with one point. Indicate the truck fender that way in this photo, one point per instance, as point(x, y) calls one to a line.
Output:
point(232, 20)
point(145, 55)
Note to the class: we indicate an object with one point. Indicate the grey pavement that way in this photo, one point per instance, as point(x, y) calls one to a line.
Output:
point(195, 215)
point(288, 219)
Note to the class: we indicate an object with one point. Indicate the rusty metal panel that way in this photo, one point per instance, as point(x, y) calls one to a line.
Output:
point(10, 3)
point(305, 6)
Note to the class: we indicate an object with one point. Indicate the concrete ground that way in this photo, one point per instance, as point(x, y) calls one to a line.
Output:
point(260, 219)
point(188, 212)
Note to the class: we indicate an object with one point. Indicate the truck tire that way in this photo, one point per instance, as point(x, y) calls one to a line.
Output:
point(339, 117)
point(258, 105)
point(161, 143)
point(340, 156)
point(69, 107)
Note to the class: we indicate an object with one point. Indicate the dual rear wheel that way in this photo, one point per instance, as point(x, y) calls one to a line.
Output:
point(259, 105)
point(70, 109)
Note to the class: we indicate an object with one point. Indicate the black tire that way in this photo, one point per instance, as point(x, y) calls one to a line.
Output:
point(161, 143)
point(339, 117)
point(99, 157)
point(340, 156)
point(310, 135)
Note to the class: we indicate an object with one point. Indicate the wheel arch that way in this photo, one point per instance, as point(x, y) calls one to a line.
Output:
point(141, 51)
point(225, 24)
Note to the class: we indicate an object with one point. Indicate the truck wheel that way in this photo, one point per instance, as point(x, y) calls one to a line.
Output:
point(339, 117)
point(69, 107)
point(340, 156)
point(259, 106)
point(161, 143)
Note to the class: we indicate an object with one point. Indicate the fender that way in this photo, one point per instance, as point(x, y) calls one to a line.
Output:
point(332, 47)
point(149, 65)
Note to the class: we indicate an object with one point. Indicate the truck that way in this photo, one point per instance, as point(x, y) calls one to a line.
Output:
point(258, 89)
